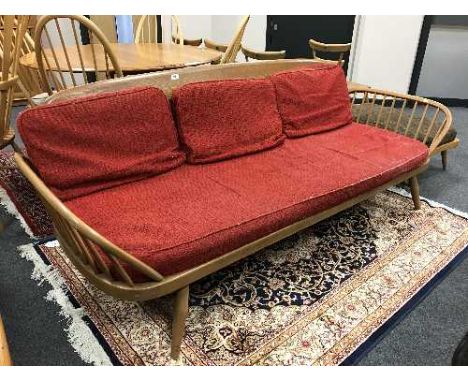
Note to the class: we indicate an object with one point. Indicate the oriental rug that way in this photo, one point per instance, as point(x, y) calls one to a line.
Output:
point(320, 297)
point(20, 199)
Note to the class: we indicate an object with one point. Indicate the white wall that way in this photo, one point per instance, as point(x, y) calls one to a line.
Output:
point(444, 72)
point(195, 27)
point(224, 27)
point(385, 50)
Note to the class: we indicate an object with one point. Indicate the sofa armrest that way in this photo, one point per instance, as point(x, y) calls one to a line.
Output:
point(413, 116)
point(81, 243)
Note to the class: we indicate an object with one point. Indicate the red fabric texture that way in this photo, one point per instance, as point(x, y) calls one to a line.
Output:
point(193, 214)
point(312, 100)
point(100, 141)
point(225, 119)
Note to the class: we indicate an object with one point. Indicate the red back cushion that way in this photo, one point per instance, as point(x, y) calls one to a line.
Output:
point(100, 141)
point(224, 119)
point(312, 100)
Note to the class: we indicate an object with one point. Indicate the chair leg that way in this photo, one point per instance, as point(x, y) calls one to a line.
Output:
point(415, 192)
point(178, 321)
point(443, 154)
point(5, 359)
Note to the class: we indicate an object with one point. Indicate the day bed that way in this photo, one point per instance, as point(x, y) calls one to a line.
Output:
point(262, 151)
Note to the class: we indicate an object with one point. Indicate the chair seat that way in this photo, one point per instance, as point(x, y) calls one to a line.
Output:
point(196, 213)
point(393, 121)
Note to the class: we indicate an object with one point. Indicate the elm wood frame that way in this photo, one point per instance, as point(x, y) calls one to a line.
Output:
point(81, 242)
point(439, 115)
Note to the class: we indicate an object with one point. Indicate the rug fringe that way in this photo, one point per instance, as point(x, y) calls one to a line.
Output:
point(432, 203)
point(10, 207)
point(78, 332)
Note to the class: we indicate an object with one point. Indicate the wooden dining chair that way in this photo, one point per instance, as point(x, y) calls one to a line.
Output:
point(338, 49)
point(28, 84)
point(61, 63)
point(147, 30)
point(264, 55)
point(14, 28)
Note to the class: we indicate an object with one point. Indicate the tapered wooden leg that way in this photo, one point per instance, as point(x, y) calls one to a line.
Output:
point(415, 192)
point(443, 154)
point(5, 359)
point(178, 321)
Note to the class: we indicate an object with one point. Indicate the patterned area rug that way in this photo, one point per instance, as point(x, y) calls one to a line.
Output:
point(317, 298)
point(17, 193)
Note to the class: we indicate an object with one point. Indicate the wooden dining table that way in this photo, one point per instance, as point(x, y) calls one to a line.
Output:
point(133, 58)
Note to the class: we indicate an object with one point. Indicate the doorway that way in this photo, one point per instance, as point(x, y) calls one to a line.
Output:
point(292, 33)
point(439, 70)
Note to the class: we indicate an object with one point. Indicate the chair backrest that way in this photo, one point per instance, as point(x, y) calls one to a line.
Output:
point(187, 41)
point(338, 49)
point(234, 46)
point(29, 78)
point(87, 57)
point(147, 30)
point(13, 30)
point(256, 55)
point(214, 45)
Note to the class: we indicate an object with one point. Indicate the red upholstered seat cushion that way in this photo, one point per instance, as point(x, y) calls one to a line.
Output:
point(193, 214)
point(312, 100)
point(99, 141)
point(225, 119)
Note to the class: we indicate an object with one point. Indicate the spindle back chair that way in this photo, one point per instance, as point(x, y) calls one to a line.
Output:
point(147, 30)
point(29, 80)
point(267, 55)
point(61, 64)
point(340, 49)
point(14, 29)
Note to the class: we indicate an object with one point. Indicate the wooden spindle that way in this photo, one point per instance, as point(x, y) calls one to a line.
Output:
point(392, 108)
point(397, 127)
point(423, 117)
point(415, 105)
point(369, 112)
point(54, 56)
point(80, 54)
point(65, 51)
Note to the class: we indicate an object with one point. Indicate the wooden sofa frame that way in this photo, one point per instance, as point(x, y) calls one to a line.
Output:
point(80, 242)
